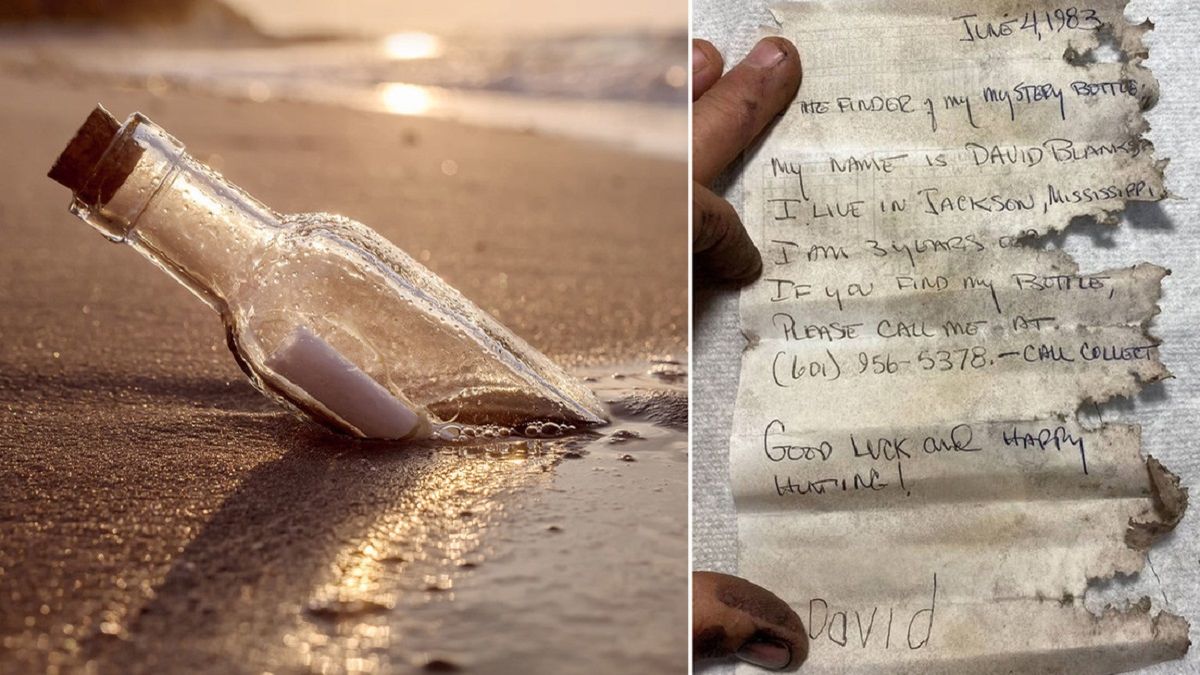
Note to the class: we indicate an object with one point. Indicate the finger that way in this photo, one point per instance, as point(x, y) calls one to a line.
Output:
point(720, 243)
point(734, 110)
point(707, 66)
point(733, 616)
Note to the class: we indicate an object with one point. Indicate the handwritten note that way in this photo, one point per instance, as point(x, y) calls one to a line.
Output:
point(907, 464)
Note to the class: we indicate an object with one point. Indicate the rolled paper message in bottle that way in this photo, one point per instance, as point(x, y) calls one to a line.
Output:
point(322, 313)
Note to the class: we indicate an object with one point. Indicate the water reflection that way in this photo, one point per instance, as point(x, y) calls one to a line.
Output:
point(410, 46)
point(405, 99)
point(408, 555)
point(317, 556)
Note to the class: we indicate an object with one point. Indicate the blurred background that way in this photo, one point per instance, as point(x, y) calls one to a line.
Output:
point(614, 72)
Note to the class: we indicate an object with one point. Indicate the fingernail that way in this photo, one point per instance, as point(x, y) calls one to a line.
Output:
point(766, 54)
point(699, 59)
point(766, 653)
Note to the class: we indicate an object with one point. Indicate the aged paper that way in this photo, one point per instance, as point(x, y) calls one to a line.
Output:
point(907, 464)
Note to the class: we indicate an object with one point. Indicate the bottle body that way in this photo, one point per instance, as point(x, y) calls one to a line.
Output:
point(398, 323)
point(322, 313)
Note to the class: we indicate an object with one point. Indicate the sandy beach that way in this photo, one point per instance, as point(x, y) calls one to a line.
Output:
point(158, 515)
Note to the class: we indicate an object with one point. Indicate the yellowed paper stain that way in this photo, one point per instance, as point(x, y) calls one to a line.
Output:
point(907, 465)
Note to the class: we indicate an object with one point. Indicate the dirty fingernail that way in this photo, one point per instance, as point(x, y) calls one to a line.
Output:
point(766, 653)
point(699, 59)
point(766, 54)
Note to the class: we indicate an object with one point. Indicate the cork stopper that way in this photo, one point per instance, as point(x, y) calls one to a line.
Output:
point(77, 162)
point(78, 167)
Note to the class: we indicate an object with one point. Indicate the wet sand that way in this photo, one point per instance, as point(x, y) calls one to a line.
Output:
point(158, 515)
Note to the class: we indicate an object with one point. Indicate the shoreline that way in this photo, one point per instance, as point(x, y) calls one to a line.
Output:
point(358, 82)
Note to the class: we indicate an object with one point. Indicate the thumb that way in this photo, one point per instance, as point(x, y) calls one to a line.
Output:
point(731, 616)
point(720, 243)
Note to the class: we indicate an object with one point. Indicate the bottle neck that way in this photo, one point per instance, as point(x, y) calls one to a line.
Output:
point(182, 215)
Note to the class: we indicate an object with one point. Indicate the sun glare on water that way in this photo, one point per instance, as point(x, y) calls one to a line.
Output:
point(409, 46)
point(405, 99)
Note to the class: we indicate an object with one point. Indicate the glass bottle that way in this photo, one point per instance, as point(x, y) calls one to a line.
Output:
point(321, 313)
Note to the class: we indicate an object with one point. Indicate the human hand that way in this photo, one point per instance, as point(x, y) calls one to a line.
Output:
point(731, 616)
point(728, 113)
